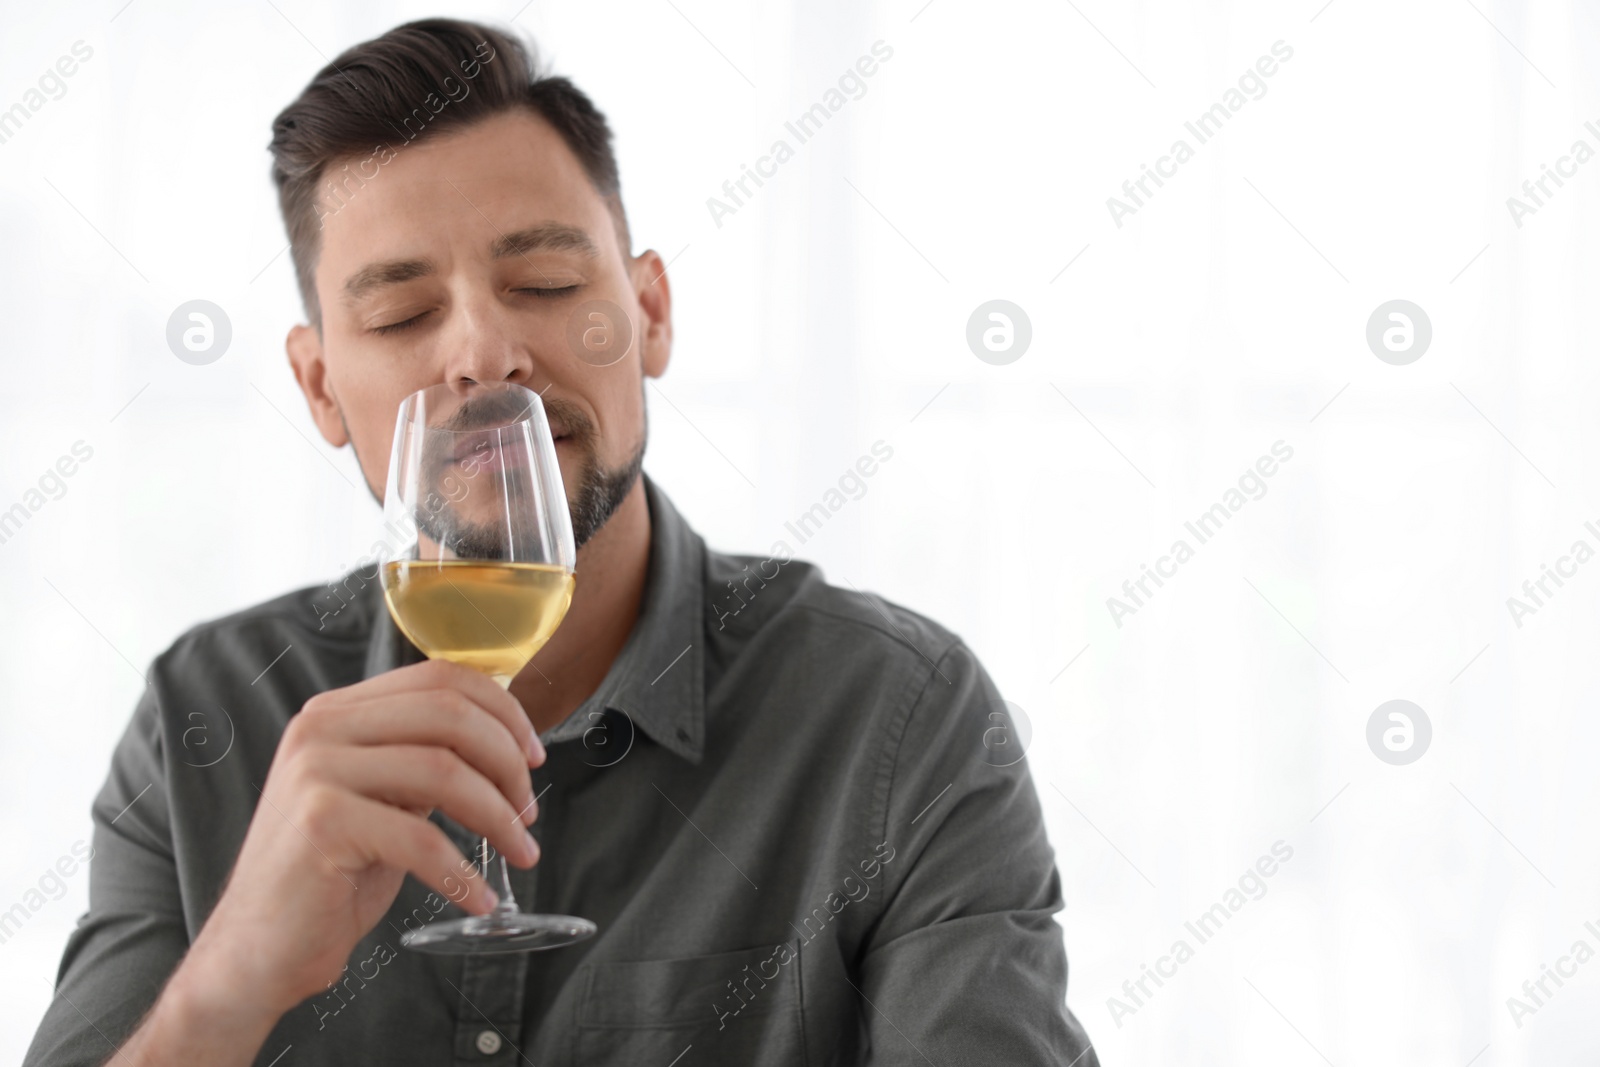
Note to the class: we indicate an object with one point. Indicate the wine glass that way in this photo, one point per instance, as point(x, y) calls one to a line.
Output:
point(482, 575)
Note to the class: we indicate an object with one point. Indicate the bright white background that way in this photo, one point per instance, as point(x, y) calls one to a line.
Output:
point(1229, 713)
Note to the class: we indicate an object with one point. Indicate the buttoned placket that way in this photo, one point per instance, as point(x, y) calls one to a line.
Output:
point(492, 992)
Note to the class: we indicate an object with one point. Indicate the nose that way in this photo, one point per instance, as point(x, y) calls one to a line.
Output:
point(486, 345)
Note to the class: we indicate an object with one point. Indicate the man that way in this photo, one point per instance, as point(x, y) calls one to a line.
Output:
point(779, 801)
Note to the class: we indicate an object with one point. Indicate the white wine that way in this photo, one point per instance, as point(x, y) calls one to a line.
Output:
point(491, 617)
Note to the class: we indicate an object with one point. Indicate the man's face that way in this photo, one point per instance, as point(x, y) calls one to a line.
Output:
point(470, 256)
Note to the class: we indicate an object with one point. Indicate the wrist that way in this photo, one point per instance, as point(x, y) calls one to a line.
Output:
point(201, 1019)
point(221, 985)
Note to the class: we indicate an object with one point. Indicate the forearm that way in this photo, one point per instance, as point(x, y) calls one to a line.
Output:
point(204, 1015)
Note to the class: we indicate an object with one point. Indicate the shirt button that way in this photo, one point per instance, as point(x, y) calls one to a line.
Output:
point(488, 1042)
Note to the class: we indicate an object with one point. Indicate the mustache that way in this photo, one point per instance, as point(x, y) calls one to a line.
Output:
point(477, 419)
point(488, 411)
point(495, 410)
point(569, 420)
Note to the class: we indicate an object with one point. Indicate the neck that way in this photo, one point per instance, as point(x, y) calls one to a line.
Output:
point(611, 573)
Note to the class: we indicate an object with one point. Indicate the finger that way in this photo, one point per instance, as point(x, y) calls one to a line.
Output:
point(405, 842)
point(483, 691)
point(442, 718)
point(413, 776)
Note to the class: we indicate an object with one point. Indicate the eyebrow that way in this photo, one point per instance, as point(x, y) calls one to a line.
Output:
point(377, 275)
point(544, 237)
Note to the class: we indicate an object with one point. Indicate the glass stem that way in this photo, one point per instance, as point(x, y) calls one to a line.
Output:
point(494, 872)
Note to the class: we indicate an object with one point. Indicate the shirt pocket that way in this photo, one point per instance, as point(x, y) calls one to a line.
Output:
point(733, 1007)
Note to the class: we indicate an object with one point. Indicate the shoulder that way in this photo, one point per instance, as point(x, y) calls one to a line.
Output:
point(314, 614)
point(758, 597)
point(223, 692)
point(277, 652)
point(851, 653)
point(884, 707)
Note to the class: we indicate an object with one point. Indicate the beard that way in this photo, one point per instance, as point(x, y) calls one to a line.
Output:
point(600, 490)
point(600, 493)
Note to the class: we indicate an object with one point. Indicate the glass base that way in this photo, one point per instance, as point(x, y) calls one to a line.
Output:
point(497, 933)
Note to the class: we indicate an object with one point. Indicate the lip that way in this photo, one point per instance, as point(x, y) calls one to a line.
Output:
point(481, 456)
point(492, 462)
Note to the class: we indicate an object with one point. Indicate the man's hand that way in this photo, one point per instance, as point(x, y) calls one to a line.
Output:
point(341, 820)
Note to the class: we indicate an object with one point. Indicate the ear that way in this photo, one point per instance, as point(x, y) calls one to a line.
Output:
point(654, 293)
point(304, 345)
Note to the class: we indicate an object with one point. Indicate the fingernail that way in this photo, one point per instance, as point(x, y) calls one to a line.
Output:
point(491, 898)
point(530, 811)
point(533, 847)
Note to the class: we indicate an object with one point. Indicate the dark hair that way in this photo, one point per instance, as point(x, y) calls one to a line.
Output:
point(418, 80)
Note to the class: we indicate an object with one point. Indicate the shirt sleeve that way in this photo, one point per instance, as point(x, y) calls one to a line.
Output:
point(128, 943)
point(966, 963)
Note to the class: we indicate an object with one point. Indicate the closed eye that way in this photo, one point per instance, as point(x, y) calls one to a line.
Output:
point(396, 327)
point(539, 293)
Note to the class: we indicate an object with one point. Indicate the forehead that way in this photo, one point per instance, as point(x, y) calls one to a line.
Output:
point(471, 184)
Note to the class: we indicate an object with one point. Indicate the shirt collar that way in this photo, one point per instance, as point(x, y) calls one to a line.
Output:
point(657, 681)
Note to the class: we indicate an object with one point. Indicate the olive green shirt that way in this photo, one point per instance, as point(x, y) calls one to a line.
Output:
point(779, 807)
